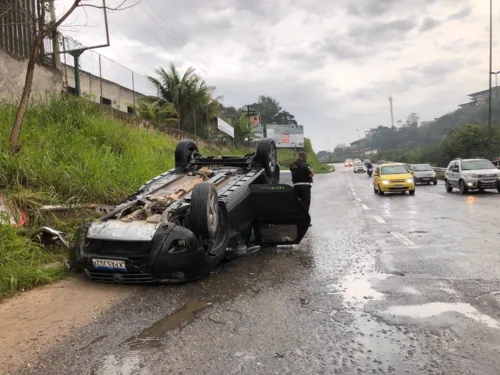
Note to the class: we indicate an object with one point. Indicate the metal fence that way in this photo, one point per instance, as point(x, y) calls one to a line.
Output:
point(17, 30)
point(102, 79)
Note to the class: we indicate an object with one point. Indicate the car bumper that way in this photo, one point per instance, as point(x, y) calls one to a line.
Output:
point(419, 180)
point(482, 183)
point(396, 188)
point(160, 260)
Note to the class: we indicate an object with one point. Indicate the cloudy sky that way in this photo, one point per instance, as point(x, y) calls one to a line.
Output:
point(332, 64)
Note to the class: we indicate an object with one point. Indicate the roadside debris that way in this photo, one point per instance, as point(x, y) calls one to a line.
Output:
point(97, 207)
point(48, 236)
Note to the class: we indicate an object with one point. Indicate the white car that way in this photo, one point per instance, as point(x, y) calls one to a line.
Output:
point(359, 167)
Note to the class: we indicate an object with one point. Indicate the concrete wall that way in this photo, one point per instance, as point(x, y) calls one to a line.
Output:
point(50, 80)
point(90, 86)
point(13, 75)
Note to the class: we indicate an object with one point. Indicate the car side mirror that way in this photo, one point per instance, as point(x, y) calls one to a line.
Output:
point(411, 172)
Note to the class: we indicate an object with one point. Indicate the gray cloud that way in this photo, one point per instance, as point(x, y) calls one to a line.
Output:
point(370, 8)
point(465, 12)
point(367, 33)
point(429, 23)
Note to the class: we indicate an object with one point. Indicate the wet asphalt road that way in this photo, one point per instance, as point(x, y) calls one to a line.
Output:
point(381, 285)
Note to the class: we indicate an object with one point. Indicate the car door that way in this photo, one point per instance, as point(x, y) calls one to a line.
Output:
point(452, 174)
point(376, 176)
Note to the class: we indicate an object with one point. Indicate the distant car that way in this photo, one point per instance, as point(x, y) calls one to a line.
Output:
point(471, 174)
point(359, 167)
point(393, 178)
point(348, 163)
point(423, 173)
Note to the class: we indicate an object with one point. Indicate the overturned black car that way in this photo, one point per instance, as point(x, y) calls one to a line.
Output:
point(184, 222)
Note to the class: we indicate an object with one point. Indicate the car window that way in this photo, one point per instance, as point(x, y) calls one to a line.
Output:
point(452, 164)
point(394, 169)
point(477, 164)
point(376, 170)
point(421, 167)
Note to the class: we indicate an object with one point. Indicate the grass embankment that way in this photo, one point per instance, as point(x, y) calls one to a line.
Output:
point(287, 157)
point(74, 153)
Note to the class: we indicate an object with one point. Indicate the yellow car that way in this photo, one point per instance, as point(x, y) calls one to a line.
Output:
point(393, 178)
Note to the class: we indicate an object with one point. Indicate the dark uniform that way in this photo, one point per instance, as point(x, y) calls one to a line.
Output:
point(302, 180)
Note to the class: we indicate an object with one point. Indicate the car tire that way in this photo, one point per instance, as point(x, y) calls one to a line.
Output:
point(374, 190)
point(266, 155)
point(435, 182)
point(463, 188)
point(204, 215)
point(184, 152)
point(380, 192)
point(448, 187)
point(74, 258)
point(498, 189)
point(412, 192)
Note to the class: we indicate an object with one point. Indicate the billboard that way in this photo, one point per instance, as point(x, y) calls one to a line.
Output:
point(286, 136)
point(225, 127)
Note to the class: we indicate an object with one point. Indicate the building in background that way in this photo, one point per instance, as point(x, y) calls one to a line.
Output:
point(481, 97)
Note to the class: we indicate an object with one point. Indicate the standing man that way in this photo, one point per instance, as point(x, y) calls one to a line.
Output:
point(302, 178)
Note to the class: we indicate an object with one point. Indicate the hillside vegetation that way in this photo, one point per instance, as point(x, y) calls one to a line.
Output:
point(74, 153)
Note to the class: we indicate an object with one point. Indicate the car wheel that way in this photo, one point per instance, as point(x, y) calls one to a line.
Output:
point(498, 189)
point(463, 188)
point(435, 182)
point(204, 215)
point(266, 155)
point(185, 151)
point(374, 190)
point(380, 190)
point(412, 192)
point(449, 188)
point(74, 257)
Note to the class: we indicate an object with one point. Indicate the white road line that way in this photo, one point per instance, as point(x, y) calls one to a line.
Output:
point(378, 219)
point(365, 206)
point(405, 240)
point(439, 195)
point(358, 199)
point(353, 193)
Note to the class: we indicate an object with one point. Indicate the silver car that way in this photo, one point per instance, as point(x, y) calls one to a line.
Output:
point(471, 174)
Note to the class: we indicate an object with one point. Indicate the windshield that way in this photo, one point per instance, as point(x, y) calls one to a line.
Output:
point(477, 164)
point(394, 169)
point(422, 167)
point(358, 163)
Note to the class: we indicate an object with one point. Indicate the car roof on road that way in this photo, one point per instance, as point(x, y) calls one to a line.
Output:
point(391, 164)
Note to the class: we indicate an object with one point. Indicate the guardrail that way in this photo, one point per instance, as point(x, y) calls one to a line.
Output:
point(439, 170)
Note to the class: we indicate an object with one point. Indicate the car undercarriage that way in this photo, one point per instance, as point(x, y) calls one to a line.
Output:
point(181, 224)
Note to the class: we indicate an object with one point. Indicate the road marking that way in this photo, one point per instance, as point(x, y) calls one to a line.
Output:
point(439, 195)
point(365, 206)
point(353, 193)
point(405, 240)
point(358, 199)
point(379, 219)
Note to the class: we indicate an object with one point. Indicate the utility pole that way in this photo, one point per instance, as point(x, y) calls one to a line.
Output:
point(329, 151)
point(490, 151)
point(56, 61)
point(359, 145)
point(392, 112)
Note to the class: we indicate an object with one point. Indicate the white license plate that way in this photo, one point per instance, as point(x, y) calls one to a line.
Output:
point(425, 178)
point(109, 264)
point(398, 186)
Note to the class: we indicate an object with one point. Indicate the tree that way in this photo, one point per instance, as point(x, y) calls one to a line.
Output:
point(191, 96)
point(154, 109)
point(268, 107)
point(284, 118)
point(242, 132)
point(42, 28)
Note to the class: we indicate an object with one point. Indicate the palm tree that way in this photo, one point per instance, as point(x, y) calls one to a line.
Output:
point(154, 109)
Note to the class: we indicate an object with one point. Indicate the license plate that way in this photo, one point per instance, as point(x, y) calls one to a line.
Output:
point(109, 264)
point(398, 186)
point(488, 181)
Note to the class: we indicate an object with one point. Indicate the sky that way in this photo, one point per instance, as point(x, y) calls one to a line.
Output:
point(331, 64)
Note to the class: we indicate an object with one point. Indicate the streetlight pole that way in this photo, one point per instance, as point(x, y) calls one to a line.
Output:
point(496, 83)
point(489, 76)
point(359, 144)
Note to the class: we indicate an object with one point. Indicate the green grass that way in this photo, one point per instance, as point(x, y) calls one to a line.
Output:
point(24, 264)
point(72, 152)
point(287, 157)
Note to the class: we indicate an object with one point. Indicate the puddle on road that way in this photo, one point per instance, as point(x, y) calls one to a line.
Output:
point(357, 289)
point(151, 336)
point(437, 308)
